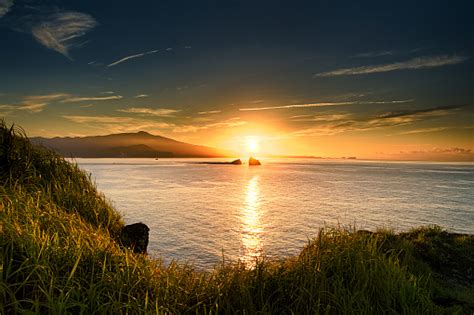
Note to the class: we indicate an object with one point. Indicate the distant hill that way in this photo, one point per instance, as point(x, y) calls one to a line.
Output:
point(136, 145)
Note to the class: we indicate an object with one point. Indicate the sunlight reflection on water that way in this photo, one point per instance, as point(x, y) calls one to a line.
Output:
point(252, 229)
point(205, 214)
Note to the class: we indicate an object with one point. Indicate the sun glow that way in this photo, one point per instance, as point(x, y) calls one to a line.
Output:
point(253, 144)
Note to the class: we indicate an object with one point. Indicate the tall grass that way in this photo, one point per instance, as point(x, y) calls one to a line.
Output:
point(59, 255)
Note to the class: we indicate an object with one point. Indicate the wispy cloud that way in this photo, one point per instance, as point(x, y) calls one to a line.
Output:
point(95, 63)
point(89, 99)
point(45, 97)
point(161, 112)
point(131, 57)
point(300, 116)
point(297, 106)
point(229, 123)
point(29, 107)
point(415, 114)
point(415, 63)
point(141, 96)
point(374, 54)
point(422, 130)
point(33, 103)
point(7, 108)
point(113, 124)
point(33, 107)
point(326, 117)
point(452, 150)
point(333, 124)
point(433, 129)
point(324, 104)
point(387, 102)
point(37, 103)
point(5, 6)
point(60, 30)
point(99, 119)
point(209, 112)
point(257, 101)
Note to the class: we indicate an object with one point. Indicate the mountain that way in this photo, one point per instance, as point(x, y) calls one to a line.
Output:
point(140, 144)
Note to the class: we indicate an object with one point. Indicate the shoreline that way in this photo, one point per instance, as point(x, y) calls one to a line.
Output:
point(61, 253)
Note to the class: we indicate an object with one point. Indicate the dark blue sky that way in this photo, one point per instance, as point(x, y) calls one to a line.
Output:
point(307, 72)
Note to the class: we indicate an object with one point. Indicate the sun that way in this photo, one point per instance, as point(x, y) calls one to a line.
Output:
point(253, 144)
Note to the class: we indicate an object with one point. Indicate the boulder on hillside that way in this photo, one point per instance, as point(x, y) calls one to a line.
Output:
point(135, 236)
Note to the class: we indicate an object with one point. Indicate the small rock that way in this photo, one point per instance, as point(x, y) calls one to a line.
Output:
point(253, 161)
point(135, 236)
point(236, 162)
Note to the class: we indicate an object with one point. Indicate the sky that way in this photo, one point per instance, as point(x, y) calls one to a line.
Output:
point(376, 80)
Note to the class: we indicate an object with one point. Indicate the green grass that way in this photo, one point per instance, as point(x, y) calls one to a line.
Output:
point(59, 255)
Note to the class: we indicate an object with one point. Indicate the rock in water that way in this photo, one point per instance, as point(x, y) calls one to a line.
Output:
point(236, 162)
point(135, 236)
point(253, 161)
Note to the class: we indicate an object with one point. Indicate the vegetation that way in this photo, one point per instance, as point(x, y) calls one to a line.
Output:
point(59, 255)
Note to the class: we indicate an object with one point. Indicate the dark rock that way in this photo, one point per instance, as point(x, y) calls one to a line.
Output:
point(135, 236)
point(253, 161)
point(235, 162)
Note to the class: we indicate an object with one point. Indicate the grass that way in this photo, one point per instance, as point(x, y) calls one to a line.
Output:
point(59, 254)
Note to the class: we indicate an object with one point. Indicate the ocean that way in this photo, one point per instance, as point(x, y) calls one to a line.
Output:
point(203, 214)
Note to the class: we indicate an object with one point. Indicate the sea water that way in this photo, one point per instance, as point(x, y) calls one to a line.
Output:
point(202, 214)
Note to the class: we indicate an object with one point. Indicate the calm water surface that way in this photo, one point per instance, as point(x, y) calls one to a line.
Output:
point(198, 213)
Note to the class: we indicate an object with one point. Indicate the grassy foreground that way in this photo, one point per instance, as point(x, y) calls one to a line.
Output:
point(58, 254)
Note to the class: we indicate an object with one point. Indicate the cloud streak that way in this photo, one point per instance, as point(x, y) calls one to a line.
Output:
point(336, 124)
point(209, 112)
point(229, 123)
point(423, 130)
point(374, 54)
point(160, 112)
point(452, 150)
point(296, 106)
point(131, 57)
point(37, 103)
point(60, 30)
point(323, 104)
point(114, 124)
point(415, 63)
point(46, 97)
point(89, 99)
point(29, 107)
point(5, 6)
point(329, 117)
point(34, 103)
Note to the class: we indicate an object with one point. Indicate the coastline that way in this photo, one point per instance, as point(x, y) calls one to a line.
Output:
point(60, 254)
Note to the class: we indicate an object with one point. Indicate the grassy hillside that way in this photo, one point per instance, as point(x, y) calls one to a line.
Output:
point(58, 254)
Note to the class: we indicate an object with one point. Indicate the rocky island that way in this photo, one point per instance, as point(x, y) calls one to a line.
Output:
point(252, 162)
